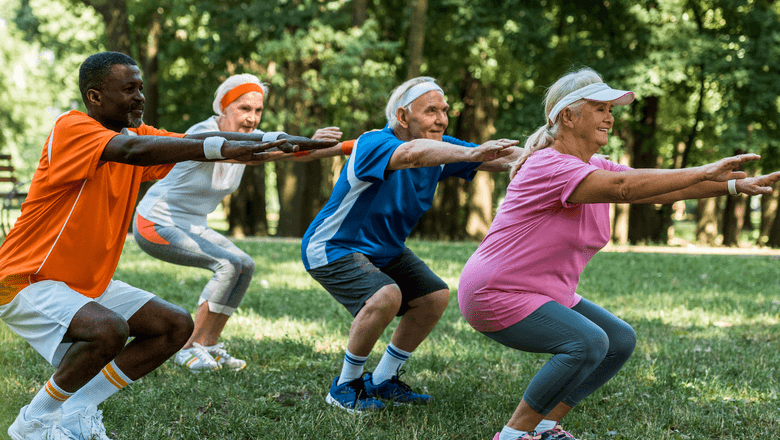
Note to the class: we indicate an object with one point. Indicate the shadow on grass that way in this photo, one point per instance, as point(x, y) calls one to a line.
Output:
point(704, 368)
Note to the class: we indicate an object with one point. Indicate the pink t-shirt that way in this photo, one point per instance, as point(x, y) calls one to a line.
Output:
point(538, 243)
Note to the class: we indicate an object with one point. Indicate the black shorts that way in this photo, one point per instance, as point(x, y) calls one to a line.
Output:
point(353, 279)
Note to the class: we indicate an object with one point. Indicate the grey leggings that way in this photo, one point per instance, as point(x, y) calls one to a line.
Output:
point(589, 346)
point(232, 267)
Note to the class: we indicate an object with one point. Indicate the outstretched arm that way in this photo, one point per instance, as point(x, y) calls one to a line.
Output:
point(751, 186)
point(303, 143)
point(501, 164)
point(660, 186)
point(158, 150)
point(327, 134)
point(420, 153)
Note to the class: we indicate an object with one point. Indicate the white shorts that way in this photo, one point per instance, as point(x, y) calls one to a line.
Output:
point(41, 312)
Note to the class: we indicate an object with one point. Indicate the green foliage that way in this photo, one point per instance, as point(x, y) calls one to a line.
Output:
point(725, 51)
point(308, 53)
point(712, 64)
point(39, 73)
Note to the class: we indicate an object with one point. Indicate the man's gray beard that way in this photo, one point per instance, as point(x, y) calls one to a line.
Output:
point(136, 122)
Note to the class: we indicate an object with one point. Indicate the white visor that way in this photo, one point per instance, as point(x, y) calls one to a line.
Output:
point(594, 92)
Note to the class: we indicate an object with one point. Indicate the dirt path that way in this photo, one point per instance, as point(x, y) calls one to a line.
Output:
point(700, 250)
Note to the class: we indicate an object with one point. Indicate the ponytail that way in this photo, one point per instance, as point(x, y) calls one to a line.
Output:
point(545, 135)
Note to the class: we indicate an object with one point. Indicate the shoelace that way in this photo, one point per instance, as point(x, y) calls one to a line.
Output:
point(403, 385)
point(96, 427)
point(560, 433)
point(60, 433)
point(219, 351)
point(359, 387)
point(201, 353)
point(397, 381)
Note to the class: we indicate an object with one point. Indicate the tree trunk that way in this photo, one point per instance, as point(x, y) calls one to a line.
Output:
point(707, 223)
point(150, 62)
point(480, 206)
point(416, 37)
point(245, 209)
point(747, 220)
point(769, 204)
point(298, 184)
point(620, 220)
point(475, 124)
point(733, 219)
point(645, 222)
point(359, 12)
point(115, 17)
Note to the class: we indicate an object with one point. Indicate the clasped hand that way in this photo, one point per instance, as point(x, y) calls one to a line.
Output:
point(247, 151)
point(492, 150)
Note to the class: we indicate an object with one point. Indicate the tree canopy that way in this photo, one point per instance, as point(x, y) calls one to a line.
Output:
point(706, 74)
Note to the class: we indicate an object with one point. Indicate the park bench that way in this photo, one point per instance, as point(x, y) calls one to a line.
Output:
point(11, 192)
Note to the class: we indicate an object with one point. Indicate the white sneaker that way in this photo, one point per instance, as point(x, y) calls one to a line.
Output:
point(223, 358)
point(197, 359)
point(86, 424)
point(48, 427)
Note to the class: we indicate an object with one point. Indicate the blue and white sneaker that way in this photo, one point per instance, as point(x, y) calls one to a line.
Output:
point(395, 390)
point(352, 396)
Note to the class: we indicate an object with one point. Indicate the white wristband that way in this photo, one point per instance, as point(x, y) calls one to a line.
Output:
point(212, 147)
point(733, 187)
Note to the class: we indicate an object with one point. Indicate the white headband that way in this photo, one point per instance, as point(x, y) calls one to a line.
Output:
point(416, 91)
point(592, 92)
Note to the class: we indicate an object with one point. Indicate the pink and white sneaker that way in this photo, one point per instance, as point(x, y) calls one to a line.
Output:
point(556, 433)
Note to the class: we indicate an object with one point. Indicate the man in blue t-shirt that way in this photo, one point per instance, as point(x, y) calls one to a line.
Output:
point(355, 246)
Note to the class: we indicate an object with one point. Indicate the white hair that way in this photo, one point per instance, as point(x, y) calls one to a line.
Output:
point(545, 135)
point(230, 84)
point(395, 98)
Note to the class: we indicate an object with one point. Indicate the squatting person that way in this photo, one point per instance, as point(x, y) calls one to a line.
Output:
point(170, 222)
point(57, 263)
point(355, 246)
point(519, 287)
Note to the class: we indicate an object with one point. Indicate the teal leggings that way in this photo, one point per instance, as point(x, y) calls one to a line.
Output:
point(589, 346)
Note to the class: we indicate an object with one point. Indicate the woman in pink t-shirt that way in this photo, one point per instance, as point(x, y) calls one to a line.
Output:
point(519, 287)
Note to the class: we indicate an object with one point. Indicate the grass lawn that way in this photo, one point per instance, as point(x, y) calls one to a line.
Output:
point(707, 363)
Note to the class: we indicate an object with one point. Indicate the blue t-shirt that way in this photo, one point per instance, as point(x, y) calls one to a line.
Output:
point(372, 210)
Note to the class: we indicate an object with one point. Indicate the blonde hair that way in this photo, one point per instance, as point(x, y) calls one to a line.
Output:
point(230, 84)
point(395, 98)
point(545, 135)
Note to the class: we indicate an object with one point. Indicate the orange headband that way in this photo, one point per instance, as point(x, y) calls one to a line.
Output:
point(239, 90)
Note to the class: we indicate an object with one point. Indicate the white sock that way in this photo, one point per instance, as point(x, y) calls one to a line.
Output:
point(545, 425)
point(390, 364)
point(352, 368)
point(49, 399)
point(110, 380)
point(510, 434)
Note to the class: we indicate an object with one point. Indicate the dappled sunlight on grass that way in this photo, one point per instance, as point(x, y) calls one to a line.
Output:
point(250, 325)
point(705, 365)
point(700, 317)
